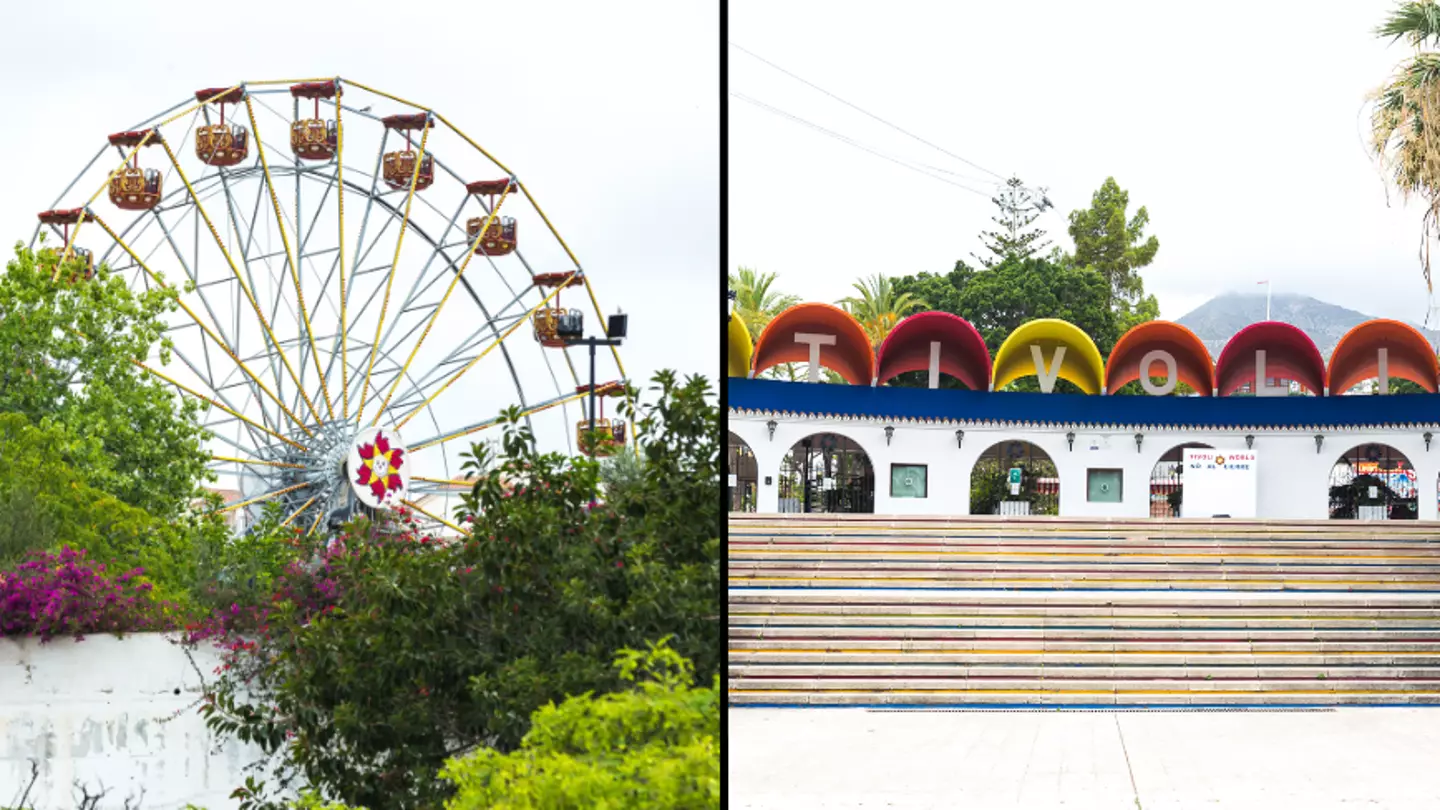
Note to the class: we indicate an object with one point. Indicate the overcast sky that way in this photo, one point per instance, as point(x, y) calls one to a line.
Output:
point(609, 114)
point(1239, 125)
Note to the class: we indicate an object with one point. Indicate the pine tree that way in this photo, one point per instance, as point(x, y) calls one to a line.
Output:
point(1019, 207)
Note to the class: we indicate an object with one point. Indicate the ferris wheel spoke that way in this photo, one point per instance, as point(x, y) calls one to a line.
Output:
point(220, 243)
point(294, 268)
point(476, 427)
point(236, 219)
point(478, 358)
point(390, 280)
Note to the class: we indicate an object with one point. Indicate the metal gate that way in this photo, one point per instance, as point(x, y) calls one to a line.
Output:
point(1373, 482)
point(827, 472)
point(1167, 481)
point(742, 475)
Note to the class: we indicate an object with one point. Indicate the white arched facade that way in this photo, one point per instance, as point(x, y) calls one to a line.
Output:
point(1292, 477)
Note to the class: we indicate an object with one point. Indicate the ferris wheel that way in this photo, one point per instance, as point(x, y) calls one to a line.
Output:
point(362, 294)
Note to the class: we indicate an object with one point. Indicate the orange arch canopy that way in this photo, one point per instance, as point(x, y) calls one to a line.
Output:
point(1289, 354)
point(963, 354)
point(850, 355)
point(1408, 355)
point(1192, 360)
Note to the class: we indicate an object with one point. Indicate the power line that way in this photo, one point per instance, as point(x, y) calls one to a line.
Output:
point(851, 142)
point(895, 127)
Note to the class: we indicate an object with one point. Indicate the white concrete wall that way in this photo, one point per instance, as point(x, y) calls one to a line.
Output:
point(1293, 480)
point(99, 712)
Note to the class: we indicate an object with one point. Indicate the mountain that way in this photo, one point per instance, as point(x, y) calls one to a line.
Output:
point(1217, 320)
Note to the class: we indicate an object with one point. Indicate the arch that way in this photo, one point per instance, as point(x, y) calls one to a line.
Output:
point(740, 462)
point(827, 472)
point(1081, 364)
point(1408, 355)
point(1193, 365)
point(738, 348)
point(1289, 354)
point(963, 354)
point(1167, 481)
point(990, 482)
point(1373, 482)
point(850, 355)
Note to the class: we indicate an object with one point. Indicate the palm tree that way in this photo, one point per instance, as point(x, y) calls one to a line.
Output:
point(1405, 118)
point(755, 302)
point(879, 307)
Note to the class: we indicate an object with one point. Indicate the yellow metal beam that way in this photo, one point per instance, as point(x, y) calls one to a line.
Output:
point(196, 318)
point(239, 279)
point(192, 392)
point(257, 461)
point(340, 201)
point(290, 258)
point(267, 496)
point(435, 517)
point(297, 512)
point(390, 280)
point(434, 316)
point(481, 356)
point(491, 424)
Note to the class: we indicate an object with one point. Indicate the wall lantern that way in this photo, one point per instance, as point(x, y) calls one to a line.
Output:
point(960, 439)
point(1139, 437)
point(1070, 440)
point(889, 433)
point(1319, 440)
point(1428, 437)
point(772, 425)
point(1250, 442)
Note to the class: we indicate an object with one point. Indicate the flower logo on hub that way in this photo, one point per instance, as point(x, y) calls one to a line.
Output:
point(378, 462)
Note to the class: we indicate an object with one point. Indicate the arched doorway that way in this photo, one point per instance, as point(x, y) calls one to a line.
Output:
point(827, 472)
point(1167, 481)
point(742, 474)
point(995, 490)
point(1373, 482)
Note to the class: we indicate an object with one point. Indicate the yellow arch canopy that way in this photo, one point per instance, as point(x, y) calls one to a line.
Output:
point(738, 348)
point(1081, 363)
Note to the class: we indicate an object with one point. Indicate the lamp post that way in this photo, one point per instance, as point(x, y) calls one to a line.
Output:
point(615, 332)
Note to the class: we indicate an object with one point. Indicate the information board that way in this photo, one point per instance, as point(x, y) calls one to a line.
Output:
point(1218, 482)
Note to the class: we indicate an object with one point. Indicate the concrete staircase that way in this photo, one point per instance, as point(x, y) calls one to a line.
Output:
point(859, 610)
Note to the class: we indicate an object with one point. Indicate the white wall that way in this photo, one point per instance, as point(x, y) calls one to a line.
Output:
point(1293, 480)
point(99, 711)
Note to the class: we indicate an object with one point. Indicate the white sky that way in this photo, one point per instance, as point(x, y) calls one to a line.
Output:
point(609, 114)
point(1239, 125)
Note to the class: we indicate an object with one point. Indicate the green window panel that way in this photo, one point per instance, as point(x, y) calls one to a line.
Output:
point(908, 481)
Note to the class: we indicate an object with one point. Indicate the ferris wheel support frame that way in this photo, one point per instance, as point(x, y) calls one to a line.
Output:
point(294, 255)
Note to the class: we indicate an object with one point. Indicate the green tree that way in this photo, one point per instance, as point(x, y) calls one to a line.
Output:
point(878, 306)
point(1018, 291)
point(756, 302)
point(1019, 207)
point(1114, 247)
point(653, 746)
point(67, 350)
point(1405, 114)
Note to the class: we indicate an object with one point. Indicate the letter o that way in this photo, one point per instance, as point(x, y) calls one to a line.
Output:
point(1171, 373)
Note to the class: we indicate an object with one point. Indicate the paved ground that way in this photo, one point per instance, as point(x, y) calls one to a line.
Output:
point(1345, 758)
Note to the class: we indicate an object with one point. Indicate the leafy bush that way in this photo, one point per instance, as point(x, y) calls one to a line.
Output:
point(65, 594)
point(653, 746)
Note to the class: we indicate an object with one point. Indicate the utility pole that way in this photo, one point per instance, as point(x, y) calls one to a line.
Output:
point(1267, 297)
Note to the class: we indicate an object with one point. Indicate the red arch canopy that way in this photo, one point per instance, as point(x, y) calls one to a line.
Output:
point(850, 356)
point(1289, 354)
point(963, 354)
point(1408, 355)
point(1192, 360)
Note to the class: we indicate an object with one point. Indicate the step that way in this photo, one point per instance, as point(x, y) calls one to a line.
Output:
point(1014, 699)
